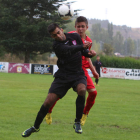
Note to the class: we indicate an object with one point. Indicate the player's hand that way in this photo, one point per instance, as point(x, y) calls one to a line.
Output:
point(96, 75)
point(87, 44)
point(92, 53)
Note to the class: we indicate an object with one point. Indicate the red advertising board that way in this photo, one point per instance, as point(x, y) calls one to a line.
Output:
point(19, 68)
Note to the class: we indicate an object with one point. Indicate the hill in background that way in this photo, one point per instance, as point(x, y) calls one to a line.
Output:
point(126, 31)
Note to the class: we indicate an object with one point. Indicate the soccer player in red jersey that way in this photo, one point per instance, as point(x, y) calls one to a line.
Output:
point(81, 25)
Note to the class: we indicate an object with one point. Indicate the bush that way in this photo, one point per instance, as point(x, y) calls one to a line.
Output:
point(119, 62)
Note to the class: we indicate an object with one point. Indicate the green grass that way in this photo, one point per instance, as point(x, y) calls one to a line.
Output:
point(115, 115)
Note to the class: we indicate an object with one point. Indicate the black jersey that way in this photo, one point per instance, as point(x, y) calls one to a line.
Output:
point(69, 53)
point(97, 65)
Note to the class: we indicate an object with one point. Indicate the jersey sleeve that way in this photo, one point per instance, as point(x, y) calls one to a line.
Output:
point(85, 53)
point(64, 50)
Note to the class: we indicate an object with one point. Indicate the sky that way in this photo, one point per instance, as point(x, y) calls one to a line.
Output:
point(119, 12)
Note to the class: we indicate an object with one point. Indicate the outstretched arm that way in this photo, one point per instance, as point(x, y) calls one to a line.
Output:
point(92, 68)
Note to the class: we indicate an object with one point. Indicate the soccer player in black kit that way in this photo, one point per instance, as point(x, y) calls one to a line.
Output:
point(68, 48)
point(97, 65)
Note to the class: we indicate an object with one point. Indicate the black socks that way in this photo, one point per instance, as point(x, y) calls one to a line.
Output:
point(96, 81)
point(40, 116)
point(80, 103)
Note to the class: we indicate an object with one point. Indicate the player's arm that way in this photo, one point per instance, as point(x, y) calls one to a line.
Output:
point(66, 50)
point(92, 68)
point(86, 52)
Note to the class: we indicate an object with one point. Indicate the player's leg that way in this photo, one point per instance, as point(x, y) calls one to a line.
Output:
point(57, 90)
point(49, 101)
point(51, 108)
point(48, 117)
point(92, 93)
point(80, 101)
point(80, 88)
point(97, 80)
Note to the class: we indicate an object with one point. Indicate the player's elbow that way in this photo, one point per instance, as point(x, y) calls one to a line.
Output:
point(93, 54)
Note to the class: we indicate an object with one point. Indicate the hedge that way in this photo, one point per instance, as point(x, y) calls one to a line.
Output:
point(119, 62)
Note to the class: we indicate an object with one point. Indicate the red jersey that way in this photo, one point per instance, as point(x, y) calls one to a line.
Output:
point(85, 63)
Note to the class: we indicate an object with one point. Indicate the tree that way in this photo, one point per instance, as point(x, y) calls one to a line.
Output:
point(130, 46)
point(96, 32)
point(23, 26)
point(105, 36)
point(99, 34)
point(2, 51)
point(96, 46)
point(118, 43)
point(110, 31)
point(108, 49)
point(70, 26)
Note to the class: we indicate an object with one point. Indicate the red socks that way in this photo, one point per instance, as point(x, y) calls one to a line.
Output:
point(90, 101)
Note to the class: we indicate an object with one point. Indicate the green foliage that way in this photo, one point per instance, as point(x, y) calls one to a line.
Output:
point(130, 46)
point(96, 32)
point(108, 49)
point(114, 116)
point(2, 51)
point(88, 33)
point(110, 31)
point(118, 43)
point(96, 46)
point(118, 62)
point(103, 33)
point(45, 56)
point(23, 26)
point(70, 26)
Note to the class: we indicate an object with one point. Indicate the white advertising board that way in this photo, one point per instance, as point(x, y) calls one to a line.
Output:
point(113, 72)
point(4, 67)
point(132, 74)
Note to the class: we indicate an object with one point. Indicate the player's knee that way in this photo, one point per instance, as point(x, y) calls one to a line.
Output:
point(82, 91)
point(93, 94)
point(47, 104)
point(50, 100)
point(91, 90)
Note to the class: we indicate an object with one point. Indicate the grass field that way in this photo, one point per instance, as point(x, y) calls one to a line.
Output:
point(115, 115)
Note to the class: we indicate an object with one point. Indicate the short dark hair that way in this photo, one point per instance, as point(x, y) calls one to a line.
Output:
point(81, 19)
point(97, 56)
point(52, 27)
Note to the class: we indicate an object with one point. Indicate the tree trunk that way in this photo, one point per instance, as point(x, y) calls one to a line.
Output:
point(27, 57)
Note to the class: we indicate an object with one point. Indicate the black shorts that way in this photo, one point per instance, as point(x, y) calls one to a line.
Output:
point(60, 86)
